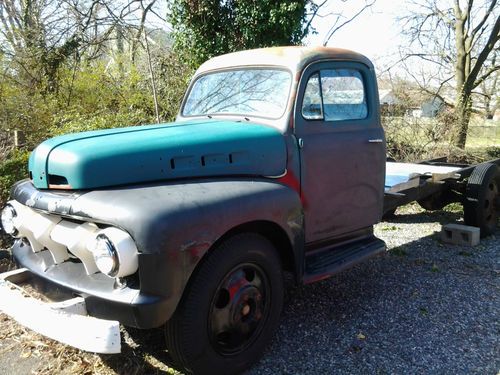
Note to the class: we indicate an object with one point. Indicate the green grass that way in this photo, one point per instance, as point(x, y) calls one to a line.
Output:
point(399, 251)
point(424, 311)
point(434, 268)
point(454, 207)
point(465, 253)
point(483, 133)
point(389, 228)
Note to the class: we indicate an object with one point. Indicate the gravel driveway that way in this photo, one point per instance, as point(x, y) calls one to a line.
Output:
point(423, 308)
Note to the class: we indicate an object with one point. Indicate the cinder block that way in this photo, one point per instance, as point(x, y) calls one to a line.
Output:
point(460, 234)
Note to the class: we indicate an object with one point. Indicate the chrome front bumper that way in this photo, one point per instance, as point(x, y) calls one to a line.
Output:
point(65, 321)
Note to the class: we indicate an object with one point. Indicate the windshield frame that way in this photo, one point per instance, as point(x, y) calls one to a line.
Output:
point(238, 68)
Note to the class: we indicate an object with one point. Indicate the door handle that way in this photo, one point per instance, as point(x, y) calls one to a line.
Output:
point(378, 140)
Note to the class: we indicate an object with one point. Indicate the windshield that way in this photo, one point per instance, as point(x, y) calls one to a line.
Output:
point(248, 92)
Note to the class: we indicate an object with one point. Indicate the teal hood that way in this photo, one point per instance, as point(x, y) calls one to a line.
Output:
point(138, 154)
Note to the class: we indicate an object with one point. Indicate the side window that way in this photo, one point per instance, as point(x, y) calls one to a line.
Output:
point(312, 106)
point(341, 95)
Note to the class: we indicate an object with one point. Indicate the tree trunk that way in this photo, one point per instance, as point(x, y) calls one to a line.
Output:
point(463, 109)
point(488, 112)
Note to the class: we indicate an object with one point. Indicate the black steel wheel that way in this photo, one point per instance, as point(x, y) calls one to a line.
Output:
point(231, 308)
point(239, 306)
point(481, 205)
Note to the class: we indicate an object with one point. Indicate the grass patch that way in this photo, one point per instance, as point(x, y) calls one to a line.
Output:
point(389, 228)
point(465, 253)
point(483, 133)
point(455, 208)
point(399, 251)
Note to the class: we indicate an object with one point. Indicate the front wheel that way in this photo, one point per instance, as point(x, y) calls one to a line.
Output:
point(230, 309)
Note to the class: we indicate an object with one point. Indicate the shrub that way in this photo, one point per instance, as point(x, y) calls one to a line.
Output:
point(412, 139)
point(12, 169)
point(493, 152)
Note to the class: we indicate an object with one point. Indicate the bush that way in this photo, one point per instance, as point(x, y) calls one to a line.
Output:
point(412, 139)
point(13, 169)
point(97, 95)
point(90, 95)
point(493, 152)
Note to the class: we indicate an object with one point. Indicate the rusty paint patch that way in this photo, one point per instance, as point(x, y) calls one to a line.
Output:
point(195, 249)
point(293, 182)
point(294, 58)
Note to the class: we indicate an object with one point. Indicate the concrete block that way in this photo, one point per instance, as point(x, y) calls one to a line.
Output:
point(457, 234)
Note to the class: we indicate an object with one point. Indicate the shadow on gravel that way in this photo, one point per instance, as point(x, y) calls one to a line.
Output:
point(441, 217)
point(143, 352)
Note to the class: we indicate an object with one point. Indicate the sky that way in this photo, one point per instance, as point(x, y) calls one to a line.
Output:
point(375, 33)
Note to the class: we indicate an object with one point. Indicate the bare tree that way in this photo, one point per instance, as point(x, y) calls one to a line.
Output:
point(341, 20)
point(457, 38)
point(323, 9)
point(489, 92)
point(40, 35)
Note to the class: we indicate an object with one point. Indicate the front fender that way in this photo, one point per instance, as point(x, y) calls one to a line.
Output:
point(182, 222)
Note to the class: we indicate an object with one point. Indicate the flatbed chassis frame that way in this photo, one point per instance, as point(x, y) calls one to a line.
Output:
point(436, 189)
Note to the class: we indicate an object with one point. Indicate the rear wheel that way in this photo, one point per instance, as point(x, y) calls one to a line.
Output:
point(481, 198)
point(230, 309)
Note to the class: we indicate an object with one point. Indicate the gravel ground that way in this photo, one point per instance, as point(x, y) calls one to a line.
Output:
point(423, 308)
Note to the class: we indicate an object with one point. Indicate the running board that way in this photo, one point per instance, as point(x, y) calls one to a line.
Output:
point(326, 262)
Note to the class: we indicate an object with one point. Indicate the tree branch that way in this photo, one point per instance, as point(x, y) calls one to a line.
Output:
point(313, 16)
point(483, 55)
point(489, 72)
point(334, 29)
point(485, 18)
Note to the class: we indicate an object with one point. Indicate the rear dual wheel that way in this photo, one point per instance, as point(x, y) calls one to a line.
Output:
point(481, 204)
point(231, 308)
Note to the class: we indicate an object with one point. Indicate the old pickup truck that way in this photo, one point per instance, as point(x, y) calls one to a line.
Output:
point(276, 163)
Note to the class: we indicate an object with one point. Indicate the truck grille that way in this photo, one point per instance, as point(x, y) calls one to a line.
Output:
point(60, 237)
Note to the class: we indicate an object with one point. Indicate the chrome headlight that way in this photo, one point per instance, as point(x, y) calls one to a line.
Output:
point(9, 215)
point(115, 253)
point(105, 256)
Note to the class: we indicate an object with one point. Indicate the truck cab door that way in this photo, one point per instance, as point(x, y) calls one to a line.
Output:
point(342, 149)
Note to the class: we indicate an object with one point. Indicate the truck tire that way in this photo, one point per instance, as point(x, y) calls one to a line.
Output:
point(481, 198)
point(230, 309)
